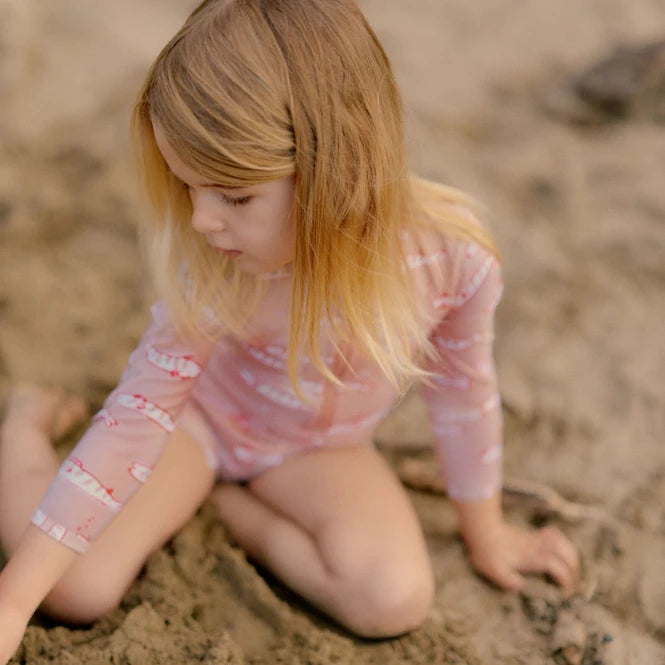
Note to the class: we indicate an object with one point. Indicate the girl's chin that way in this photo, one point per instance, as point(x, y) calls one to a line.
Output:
point(252, 266)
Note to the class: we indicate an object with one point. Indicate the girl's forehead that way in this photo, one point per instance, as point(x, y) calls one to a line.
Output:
point(179, 169)
point(176, 165)
point(188, 175)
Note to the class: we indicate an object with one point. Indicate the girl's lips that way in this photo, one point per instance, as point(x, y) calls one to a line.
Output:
point(230, 252)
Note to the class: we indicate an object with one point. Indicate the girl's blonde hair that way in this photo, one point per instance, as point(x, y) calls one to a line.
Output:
point(250, 91)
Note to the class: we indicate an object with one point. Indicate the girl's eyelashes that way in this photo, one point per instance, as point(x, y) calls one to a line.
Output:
point(239, 201)
point(227, 200)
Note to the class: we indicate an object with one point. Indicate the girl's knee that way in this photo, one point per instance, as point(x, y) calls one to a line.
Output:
point(380, 593)
point(80, 599)
point(390, 599)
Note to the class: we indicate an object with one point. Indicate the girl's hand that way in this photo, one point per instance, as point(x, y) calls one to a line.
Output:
point(504, 552)
point(12, 629)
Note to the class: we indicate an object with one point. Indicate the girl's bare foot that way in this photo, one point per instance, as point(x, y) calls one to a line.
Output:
point(51, 411)
point(34, 417)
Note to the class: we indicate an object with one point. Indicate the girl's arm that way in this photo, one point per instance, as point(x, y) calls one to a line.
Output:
point(118, 452)
point(32, 571)
point(112, 460)
point(465, 412)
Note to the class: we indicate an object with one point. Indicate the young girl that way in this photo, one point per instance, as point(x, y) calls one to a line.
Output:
point(305, 280)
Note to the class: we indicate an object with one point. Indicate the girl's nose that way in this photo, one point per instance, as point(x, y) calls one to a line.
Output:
point(205, 215)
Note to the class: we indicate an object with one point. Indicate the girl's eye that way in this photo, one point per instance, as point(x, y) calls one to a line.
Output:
point(227, 200)
point(240, 201)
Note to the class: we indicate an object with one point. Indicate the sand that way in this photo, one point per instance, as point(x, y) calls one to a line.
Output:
point(579, 213)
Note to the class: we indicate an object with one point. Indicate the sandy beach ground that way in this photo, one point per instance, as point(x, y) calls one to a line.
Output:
point(579, 215)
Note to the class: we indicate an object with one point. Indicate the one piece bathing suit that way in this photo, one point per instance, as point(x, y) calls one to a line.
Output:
point(235, 397)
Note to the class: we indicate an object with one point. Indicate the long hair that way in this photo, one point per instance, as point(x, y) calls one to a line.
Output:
point(250, 91)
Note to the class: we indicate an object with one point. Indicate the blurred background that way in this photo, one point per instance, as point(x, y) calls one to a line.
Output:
point(513, 101)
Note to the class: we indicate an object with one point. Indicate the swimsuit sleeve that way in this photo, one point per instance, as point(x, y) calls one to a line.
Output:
point(462, 396)
point(126, 438)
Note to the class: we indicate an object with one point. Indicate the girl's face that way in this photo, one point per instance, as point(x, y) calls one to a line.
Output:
point(253, 225)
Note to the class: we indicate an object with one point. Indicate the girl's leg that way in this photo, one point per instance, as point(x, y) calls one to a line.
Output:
point(97, 580)
point(337, 527)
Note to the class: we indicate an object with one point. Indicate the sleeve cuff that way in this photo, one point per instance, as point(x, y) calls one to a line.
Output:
point(59, 532)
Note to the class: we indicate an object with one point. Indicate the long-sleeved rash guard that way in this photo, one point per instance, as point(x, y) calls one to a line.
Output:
point(244, 391)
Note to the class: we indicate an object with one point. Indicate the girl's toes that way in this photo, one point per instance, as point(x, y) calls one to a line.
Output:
point(71, 411)
point(49, 410)
point(33, 406)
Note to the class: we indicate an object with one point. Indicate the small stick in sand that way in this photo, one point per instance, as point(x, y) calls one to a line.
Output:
point(421, 475)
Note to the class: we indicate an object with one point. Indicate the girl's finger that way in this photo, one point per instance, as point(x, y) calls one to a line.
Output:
point(543, 558)
point(508, 579)
point(512, 581)
point(553, 542)
point(568, 553)
point(559, 570)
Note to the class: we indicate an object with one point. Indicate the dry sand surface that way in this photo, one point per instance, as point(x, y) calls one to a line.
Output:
point(579, 212)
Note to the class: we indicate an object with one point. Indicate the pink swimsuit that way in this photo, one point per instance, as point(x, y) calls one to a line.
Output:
point(235, 398)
